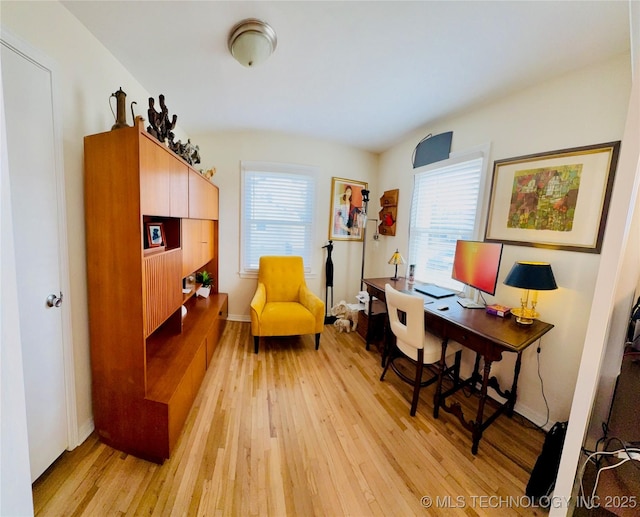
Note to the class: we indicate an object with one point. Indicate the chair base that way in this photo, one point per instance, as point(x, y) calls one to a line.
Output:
point(256, 342)
point(417, 382)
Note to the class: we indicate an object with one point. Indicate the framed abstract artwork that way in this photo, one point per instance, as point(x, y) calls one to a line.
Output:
point(557, 199)
point(346, 216)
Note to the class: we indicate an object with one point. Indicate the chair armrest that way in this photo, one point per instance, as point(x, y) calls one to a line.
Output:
point(314, 305)
point(257, 306)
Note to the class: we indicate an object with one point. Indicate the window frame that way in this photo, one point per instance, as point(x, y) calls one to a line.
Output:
point(481, 152)
point(266, 168)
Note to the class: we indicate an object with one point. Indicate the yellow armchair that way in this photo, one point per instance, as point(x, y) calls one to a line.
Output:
point(282, 304)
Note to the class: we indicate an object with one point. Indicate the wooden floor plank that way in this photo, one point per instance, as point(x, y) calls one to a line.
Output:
point(295, 431)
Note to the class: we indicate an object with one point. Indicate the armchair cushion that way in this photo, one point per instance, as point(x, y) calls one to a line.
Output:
point(282, 304)
point(286, 319)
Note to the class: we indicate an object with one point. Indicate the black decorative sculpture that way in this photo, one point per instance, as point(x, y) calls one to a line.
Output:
point(329, 283)
point(160, 126)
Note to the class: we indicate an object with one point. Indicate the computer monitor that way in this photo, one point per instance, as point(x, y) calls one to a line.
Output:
point(476, 264)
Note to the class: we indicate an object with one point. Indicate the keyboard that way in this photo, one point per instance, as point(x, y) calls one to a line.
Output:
point(434, 291)
point(406, 291)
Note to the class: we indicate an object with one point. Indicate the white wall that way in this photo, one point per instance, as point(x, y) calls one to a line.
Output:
point(224, 151)
point(581, 108)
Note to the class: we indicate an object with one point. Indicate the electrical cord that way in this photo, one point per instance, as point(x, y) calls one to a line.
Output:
point(544, 397)
point(586, 451)
point(624, 447)
point(626, 450)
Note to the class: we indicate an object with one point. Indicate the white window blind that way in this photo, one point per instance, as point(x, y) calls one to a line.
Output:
point(443, 209)
point(278, 203)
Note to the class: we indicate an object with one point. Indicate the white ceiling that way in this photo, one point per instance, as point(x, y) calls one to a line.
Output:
point(358, 72)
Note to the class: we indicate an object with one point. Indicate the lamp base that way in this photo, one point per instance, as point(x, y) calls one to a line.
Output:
point(394, 278)
point(524, 316)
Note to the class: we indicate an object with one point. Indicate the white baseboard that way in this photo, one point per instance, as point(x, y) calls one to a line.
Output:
point(533, 416)
point(239, 317)
point(85, 430)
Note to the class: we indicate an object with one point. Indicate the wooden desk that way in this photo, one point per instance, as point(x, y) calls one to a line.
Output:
point(489, 336)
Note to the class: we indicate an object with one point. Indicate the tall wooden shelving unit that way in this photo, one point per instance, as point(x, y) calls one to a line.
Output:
point(147, 360)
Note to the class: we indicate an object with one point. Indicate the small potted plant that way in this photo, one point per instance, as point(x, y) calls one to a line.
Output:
point(204, 278)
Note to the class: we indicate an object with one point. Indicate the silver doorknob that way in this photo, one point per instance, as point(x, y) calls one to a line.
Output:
point(54, 301)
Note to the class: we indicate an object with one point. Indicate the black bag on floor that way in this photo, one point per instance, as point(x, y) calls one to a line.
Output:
point(543, 476)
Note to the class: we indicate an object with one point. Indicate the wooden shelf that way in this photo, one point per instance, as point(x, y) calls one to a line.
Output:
point(169, 355)
point(147, 362)
point(388, 213)
point(191, 294)
point(390, 198)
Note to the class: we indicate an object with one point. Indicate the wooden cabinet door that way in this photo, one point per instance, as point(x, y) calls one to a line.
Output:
point(203, 197)
point(162, 288)
point(216, 329)
point(206, 233)
point(191, 230)
point(182, 399)
point(197, 244)
point(164, 182)
point(155, 180)
point(214, 202)
point(179, 190)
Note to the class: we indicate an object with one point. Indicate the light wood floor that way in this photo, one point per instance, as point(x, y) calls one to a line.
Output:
point(294, 431)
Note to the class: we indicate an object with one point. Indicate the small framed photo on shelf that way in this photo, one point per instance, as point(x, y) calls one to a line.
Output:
point(155, 235)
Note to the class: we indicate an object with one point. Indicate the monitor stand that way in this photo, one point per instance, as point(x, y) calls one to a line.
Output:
point(469, 303)
point(472, 303)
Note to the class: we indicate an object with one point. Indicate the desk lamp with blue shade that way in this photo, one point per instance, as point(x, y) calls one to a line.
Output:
point(531, 276)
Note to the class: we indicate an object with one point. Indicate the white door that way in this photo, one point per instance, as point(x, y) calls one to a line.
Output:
point(32, 171)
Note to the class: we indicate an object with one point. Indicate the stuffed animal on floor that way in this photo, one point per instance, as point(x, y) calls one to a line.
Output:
point(347, 318)
point(342, 325)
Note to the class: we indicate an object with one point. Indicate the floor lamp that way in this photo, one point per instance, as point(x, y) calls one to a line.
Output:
point(363, 225)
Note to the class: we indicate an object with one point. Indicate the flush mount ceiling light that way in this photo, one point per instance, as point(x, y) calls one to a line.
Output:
point(251, 42)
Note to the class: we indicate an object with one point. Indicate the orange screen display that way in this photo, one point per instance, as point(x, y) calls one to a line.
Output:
point(477, 264)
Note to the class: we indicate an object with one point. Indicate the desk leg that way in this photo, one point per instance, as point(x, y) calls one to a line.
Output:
point(437, 397)
point(369, 323)
point(477, 426)
point(514, 388)
point(475, 374)
point(389, 341)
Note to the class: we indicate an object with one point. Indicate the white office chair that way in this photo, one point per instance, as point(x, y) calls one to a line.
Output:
point(413, 343)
